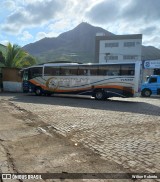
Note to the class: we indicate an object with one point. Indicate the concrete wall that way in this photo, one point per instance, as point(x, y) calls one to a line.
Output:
point(10, 86)
point(147, 72)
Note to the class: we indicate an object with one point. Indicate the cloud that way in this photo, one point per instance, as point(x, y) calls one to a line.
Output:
point(40, 35)
point(4, 42)
point(149, 40)
point(131, 10)
point(34, 13)
point(54, 29)
point(60, 26)
point(142, 10)
point(8, 28)
point(105, 11)
point(149, 30)
point(9, 4)
point(128, 17)
point(25, 36)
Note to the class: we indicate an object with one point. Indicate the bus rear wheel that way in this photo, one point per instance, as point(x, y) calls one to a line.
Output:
point(146, 93)
point(38, 91)
point(99, 95)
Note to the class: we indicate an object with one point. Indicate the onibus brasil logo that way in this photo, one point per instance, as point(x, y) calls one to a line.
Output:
point(147, 64)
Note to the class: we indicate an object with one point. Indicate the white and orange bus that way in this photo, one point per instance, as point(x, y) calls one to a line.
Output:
point(97, 80)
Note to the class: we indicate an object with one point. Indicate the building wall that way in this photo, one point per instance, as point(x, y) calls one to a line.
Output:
point(11, 74)
point(147, 72)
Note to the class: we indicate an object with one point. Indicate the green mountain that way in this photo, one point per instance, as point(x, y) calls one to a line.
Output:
point(76, 45)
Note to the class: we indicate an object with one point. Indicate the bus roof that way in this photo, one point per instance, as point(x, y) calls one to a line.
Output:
point(77, 64)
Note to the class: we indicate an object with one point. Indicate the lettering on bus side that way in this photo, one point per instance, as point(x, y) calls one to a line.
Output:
point(126, 79)
point(54, 83)
point(74, 79)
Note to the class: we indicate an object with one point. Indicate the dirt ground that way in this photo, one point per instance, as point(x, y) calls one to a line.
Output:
point(28, 145)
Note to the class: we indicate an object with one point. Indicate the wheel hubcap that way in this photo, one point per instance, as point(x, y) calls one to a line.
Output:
point(38, 91)
point(99, 95)
point(147, 93)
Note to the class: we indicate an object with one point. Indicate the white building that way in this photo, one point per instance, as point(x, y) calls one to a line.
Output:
point(118, 48)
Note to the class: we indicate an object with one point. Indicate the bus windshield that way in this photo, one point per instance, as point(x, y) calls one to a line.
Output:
point(147, 78)
point(35, 72)
point(32, 73)
point(25, 75)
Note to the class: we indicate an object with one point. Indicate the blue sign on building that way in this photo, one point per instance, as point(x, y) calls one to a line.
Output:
point(151, 64)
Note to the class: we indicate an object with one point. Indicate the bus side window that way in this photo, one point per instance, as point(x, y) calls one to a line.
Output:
point(51, 71)
point(93, 70)
point(83, 71)
point(56, 72)
point(132, 72)
point(127, 69)
point(74, 71)
point(86, 72)
point(69, 71)
point(113, 70)
point(102, 70)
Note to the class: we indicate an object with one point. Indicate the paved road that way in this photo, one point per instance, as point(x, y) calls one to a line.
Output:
point(126, 131)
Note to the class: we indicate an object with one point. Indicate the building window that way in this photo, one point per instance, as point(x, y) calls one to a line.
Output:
point(111, 57)
point(129, 57)
point(129, 44)
point(114, 44)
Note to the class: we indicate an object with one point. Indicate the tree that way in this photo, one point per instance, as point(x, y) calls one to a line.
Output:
point(2, 58)
point(16, 57)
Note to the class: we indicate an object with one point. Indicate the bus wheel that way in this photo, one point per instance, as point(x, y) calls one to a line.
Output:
point(38, 91)
point(99, 95)
point(146, 93)
point(48, 94)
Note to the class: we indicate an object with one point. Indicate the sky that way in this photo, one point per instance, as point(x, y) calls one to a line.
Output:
point(26, 21)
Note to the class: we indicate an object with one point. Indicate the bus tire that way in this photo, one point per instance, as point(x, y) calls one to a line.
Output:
point(48, 94)
point(146, 93)
point(38, 91)
point(99, 95)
